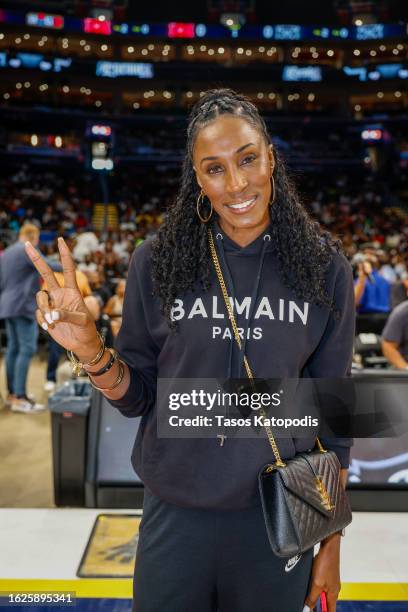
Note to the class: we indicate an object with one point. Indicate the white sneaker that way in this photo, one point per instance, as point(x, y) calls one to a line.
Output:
point(49, 386)
point(26, 406)
point(12, 398)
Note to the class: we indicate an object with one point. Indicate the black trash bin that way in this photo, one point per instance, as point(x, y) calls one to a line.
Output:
point(69, 408)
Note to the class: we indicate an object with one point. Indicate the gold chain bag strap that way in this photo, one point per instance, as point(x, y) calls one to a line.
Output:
point(303, 500)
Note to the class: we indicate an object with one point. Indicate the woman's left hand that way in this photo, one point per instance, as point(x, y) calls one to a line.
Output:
point(326, 574)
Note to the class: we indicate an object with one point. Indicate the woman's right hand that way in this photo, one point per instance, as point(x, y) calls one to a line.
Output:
point(61, 310)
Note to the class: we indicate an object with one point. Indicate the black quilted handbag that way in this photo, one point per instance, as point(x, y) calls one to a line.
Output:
point(303, 500)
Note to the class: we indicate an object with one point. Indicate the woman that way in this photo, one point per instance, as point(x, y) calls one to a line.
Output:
point(202, 543)
point(114, 307)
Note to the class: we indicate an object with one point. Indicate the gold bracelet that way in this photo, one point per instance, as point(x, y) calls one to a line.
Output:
point(117, 381)
point(77, 366)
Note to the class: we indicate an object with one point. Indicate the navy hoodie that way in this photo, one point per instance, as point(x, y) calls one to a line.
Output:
point(285, 337)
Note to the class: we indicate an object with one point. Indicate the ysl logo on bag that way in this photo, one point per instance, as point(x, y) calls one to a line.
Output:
point(324, 496)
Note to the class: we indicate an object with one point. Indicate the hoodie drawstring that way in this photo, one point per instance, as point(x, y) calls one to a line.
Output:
point(231, 291)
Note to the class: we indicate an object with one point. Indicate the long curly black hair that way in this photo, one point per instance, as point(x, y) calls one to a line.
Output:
point(180, 251)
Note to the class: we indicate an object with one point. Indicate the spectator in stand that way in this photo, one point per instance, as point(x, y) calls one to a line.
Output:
point(395, 337)
point(114, 307)
point(86, 243)
point(372, 291)
point(100, 288)
point(387, 270)
point(19, 284)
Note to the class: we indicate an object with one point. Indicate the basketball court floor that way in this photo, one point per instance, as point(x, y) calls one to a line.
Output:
point(41, 550)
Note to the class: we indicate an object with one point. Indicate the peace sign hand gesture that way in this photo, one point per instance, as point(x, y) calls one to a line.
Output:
point(61, 310)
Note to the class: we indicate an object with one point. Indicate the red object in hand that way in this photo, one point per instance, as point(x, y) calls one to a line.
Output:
point(323, 601)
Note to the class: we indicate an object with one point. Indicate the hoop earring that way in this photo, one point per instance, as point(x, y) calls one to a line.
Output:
point(198, 205)
point(273, 191)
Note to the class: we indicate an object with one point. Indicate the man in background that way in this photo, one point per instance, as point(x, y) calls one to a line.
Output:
point(395, 337)
point(19, 283)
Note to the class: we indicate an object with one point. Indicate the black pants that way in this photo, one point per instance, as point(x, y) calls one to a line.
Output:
point(193, 560)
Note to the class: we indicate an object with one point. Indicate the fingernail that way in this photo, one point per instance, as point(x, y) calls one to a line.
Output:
point(48, 317)
point(44, 326)
point(55, 315)
point(306, 609)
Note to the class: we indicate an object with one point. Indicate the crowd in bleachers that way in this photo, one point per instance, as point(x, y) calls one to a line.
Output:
point(359, 211)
